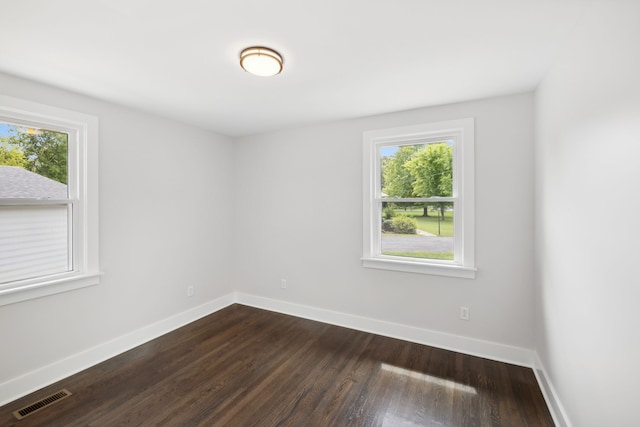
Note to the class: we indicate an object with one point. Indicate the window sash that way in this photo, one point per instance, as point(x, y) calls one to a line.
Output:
point(416, 199)
point(377, 200)
point(71, 202)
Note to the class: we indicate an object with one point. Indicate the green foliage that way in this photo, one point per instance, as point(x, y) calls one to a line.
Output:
point(431, 171)
point(11, 156)
point(388, 212)
point(387, 226)
point(403, 224)
point(45, 152)
point(396, 179)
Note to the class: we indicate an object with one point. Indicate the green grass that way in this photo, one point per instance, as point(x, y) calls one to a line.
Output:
point(430, 255)
point(430, 223)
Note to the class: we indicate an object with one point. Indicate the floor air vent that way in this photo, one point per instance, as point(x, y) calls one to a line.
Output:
point(41, 404)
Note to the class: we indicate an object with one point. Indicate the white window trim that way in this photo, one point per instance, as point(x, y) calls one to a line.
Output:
point(462, 131)
point(83, 168)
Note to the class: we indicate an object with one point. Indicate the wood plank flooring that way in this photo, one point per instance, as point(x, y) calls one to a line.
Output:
point(243, 367)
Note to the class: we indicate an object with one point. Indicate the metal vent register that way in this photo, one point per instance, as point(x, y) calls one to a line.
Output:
point(41, 404)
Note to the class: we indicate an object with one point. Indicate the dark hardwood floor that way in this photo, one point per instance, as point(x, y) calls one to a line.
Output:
point(243, 367)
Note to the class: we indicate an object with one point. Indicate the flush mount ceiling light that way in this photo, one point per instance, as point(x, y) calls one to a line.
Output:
point(261, 61)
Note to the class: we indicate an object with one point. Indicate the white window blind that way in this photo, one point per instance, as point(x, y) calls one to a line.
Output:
point(34, 242)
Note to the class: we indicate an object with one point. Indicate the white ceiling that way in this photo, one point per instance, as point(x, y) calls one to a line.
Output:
point(343, 58)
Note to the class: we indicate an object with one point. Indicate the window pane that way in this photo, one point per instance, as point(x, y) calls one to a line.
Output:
point(417, 230)
point(421, 170)
point(34, 241)
point(33, 163)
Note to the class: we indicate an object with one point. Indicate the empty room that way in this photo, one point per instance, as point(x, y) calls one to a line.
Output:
point(288, 213)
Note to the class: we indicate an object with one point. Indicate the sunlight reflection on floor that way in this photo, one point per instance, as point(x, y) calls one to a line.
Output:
point(429, 379)
point(391, 420)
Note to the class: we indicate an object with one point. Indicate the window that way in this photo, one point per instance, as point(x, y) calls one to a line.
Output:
point(48, 200)
point(418, 201)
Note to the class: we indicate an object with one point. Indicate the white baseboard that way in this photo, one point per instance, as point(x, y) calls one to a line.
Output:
point(556, 408)
point(490, 350)
point(35, 380)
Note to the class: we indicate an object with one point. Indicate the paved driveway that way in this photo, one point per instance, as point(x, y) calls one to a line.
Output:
point(415, 243)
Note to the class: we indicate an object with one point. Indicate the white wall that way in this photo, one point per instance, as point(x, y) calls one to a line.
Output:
point(165, 209)
point(299, 215)
point(587, 218)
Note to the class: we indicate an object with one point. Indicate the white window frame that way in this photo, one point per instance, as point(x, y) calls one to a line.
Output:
point(83, 197)
point(462, 133)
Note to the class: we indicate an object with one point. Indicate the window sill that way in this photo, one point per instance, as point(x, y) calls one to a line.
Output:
point(420, 267)
point(48, 286)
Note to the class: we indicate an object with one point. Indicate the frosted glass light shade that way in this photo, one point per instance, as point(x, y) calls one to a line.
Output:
point(261, 61)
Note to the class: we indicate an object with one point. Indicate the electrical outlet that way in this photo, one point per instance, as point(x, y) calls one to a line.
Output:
point(283, 283)
point(190, 291)
point(464, 313)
